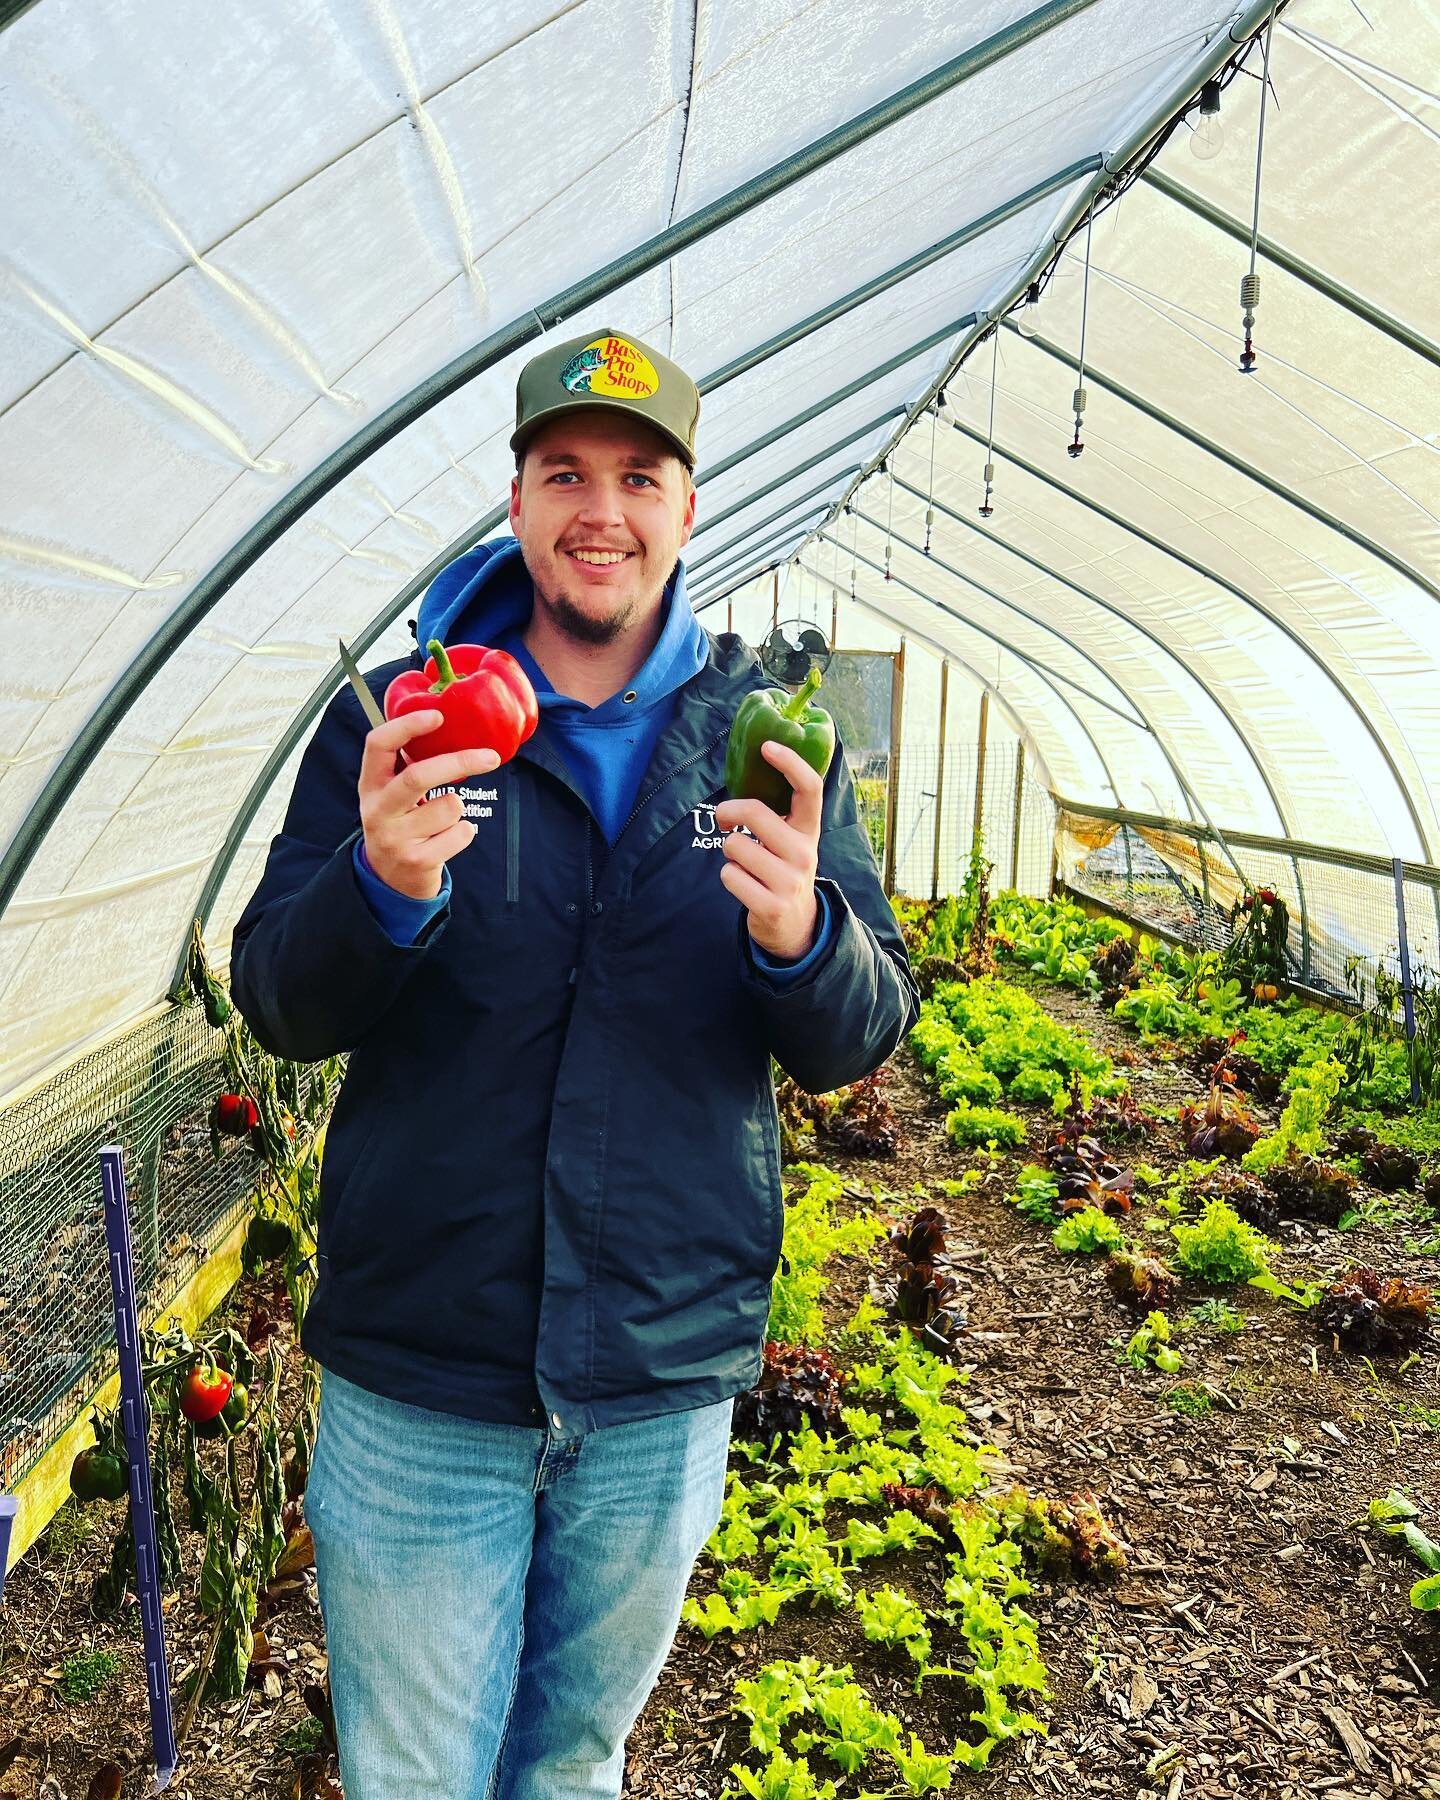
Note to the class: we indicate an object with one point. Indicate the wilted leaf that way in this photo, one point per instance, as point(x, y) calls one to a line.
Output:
point(106, 1783)
point(299, 1553)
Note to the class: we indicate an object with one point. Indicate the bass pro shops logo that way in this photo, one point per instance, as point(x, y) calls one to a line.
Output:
point(611, 366)
point(708, 835)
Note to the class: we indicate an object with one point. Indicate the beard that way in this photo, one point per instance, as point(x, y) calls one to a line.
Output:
point(576, 623)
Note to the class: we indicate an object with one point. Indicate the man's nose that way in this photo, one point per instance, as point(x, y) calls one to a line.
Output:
point(602, 505)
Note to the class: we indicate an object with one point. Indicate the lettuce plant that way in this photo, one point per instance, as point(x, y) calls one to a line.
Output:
point(1089, 1232)
point(1220, 1247)
point(976, 1126)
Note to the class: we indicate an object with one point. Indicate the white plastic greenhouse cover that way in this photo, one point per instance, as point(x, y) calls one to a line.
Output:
point(232, 242)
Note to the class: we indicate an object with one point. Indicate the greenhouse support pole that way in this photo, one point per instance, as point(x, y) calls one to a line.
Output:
point(892, 788)
point(729, 615)
point(775, 601)
point(1019, 808)
point(940, 776)
point(979, 827)
point(1204, 883)
point(1407, 985)
point(1304, 923)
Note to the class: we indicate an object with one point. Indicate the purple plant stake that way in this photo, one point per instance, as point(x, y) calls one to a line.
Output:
point(8, 1505)
point(136, 1422)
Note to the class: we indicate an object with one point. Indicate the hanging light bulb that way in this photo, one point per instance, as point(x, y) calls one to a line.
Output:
point(985, 507)
point(1207, 135)
point(1026, 322)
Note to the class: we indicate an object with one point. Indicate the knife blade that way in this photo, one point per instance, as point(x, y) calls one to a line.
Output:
point(362, 693)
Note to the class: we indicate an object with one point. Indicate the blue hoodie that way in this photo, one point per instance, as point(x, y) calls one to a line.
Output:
point(486, 597)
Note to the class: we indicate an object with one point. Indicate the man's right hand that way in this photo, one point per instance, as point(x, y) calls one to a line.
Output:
point(408, 840)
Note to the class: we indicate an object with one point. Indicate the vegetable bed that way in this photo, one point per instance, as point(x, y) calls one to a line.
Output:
point(1157, 1535)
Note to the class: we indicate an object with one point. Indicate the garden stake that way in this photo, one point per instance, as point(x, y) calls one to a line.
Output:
point(136, 1423)
point(8, 1506)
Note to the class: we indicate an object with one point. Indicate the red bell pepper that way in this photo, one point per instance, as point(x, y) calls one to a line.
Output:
point(484, 695)
point(206, 1389)
point(235, 1114)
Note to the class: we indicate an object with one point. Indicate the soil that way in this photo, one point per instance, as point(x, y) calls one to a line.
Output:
point(1260, 1642)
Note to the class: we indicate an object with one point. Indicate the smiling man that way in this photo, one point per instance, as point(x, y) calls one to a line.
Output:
point(550, 1205)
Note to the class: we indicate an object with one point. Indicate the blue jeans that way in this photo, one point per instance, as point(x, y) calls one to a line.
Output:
point(499, 1600)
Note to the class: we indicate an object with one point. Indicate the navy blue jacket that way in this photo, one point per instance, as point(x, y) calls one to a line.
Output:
point(551, 1183)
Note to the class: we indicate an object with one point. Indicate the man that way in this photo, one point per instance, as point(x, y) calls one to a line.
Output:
point(550, 1204)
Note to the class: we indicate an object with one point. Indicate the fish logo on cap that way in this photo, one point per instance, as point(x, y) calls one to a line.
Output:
point(611, 366)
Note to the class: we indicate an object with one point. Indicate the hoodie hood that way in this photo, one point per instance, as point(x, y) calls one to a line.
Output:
point(486, 597)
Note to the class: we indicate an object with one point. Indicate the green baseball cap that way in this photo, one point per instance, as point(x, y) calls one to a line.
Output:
point(610, 369)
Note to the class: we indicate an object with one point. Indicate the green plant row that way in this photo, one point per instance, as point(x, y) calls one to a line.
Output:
point(986, 1040)
point(787, 1520)
point(1183, 995)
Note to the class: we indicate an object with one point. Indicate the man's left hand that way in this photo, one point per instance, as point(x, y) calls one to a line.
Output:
point(772, 874)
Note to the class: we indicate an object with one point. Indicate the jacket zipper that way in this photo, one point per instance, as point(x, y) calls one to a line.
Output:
point(679, 769)
point(640, 804)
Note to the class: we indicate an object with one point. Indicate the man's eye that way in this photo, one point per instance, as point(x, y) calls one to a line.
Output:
point(635, 476)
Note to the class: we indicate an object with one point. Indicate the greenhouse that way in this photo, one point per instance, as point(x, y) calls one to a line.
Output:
point(1063, 1286)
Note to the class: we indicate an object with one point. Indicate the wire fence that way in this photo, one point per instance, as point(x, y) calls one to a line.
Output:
point(150, 1090)
point(935, 817)
point(1348, 915)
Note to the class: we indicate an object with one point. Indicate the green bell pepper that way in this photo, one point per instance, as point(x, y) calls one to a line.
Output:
point(771, 715)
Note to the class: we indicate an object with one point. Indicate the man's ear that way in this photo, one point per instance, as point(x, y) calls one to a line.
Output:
point(688, 523)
